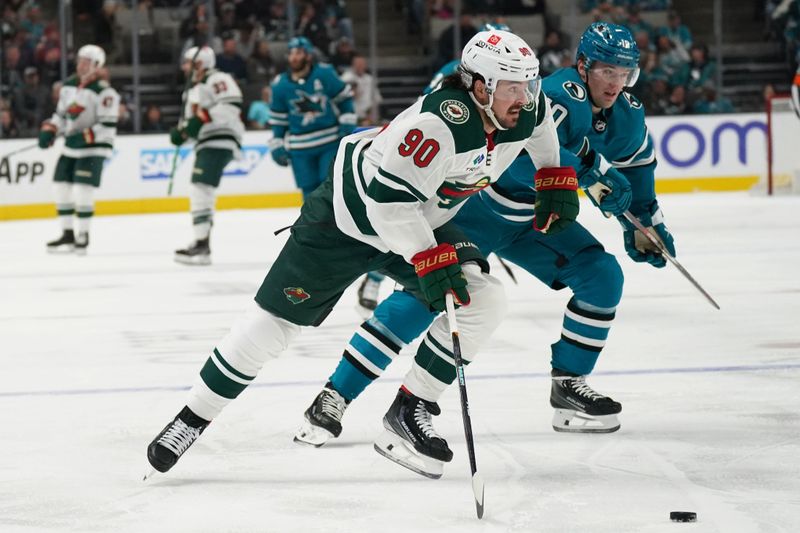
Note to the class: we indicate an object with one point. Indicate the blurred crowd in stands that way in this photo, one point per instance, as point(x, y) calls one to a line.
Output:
point(678, 76)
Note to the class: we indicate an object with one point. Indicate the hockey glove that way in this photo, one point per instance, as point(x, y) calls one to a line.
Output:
point(47, 135)
point(639, 247)
point(557, 203)
point(177, 136)
point(279, 152)
point(605, 186)
point(439, 273)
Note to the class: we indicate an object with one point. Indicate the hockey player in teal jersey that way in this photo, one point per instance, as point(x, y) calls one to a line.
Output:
point(311, 109)
point(602, 134)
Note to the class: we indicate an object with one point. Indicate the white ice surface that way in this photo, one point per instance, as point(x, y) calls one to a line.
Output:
point(98, 351)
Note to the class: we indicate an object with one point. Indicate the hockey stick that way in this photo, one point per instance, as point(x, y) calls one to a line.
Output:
point(507, 269)
point(477, 479)
point(662, 249)
point(184, 95)
point(20, 150)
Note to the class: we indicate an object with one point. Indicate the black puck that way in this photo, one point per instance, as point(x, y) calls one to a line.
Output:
point(683, 516)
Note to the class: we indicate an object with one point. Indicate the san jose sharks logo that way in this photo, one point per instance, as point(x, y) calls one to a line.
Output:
point(296, 295)
point(74, 110)
point(309, 105)
point(451, 193)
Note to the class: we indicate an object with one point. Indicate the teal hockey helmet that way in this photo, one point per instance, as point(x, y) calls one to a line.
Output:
point(301, 42)
point(612, 44)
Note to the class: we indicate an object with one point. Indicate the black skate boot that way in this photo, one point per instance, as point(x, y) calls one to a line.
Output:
point(579, 408)
point(323, 418)
point(64, 244)
point(368, 293)
point(175, 439)
point(82, 243)
point(410, 440)
point(198, 253)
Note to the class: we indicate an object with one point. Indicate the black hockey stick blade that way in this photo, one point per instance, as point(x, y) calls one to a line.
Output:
point(507, 269)
point(658, 244)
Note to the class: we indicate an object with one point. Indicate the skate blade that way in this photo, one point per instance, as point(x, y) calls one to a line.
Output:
point(61, 250)
point(396, 449)
point(150, 474)
point(312, 435)
point(193, 261)
point(80, 252)
point(570, 421)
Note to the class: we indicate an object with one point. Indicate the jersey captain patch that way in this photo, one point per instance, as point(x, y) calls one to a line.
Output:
point(454, 111)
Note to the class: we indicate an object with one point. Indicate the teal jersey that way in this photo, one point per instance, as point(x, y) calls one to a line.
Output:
point(308, 112)
point(618, 133)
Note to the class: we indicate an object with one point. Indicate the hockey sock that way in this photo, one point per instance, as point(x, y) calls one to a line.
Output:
point(64, 204)
point(397, 321)
point(84, 200)
point(584, 334)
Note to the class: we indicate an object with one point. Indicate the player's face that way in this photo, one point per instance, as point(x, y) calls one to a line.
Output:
point(606, 83)
point(298, 59)
point(509, 99)
point(84, 66)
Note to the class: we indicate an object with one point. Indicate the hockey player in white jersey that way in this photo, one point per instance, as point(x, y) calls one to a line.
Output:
point(86, 114)
point(212, 118)
point(387, 206)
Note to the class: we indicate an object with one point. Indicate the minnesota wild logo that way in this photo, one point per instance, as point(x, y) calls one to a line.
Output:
point(454, 111)
point(451, 193)
point(74, 110)
point(296, 295)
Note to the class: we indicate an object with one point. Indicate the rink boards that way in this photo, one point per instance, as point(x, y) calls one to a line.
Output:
point(695, 153)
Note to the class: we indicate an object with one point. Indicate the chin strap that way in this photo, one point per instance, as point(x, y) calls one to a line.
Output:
point(488, 110)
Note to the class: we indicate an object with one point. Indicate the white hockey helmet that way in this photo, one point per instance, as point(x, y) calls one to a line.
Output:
point(204, 56)
point(495, 55)
point(93, 53)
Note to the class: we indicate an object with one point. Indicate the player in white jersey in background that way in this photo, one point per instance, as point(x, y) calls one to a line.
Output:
point(212, 117)
point(86, 114)
point(387, 206)
point(796, 92)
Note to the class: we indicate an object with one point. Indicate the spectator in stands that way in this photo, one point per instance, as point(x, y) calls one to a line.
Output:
point(337, 20)
point(637, 24)
point(676, 105)
point(230, 61)
point(195, 31)
point(32, 23)
point(227, 22)
point(447, 52)
point(553, 54)
point(672, 60)
point(258, 113)
point(442, 9)
point(700, 69)
point(711, 102)
point(12, 66)
point(342, 53)
point(52, 102)
point(607, 11)
point(656, 95)
point(260, 66)
point(676, 31)
point(29, 102)
point(105, 26)
point(311, 24)
point(415, 15)
point(50, 71)
point(153, 121)
point(277, 28)
point(366, 96)
point(8, 125)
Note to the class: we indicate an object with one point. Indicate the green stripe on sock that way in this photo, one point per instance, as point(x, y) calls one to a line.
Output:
point(85, 214)
point(219, 382)
point(66, 212)
point(201, 219)
point(435, 365)
point(230, 368)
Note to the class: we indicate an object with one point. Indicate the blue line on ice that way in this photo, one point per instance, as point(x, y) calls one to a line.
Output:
point(479, 377)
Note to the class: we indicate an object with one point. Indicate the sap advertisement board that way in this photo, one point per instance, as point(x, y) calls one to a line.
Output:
point(687, 147)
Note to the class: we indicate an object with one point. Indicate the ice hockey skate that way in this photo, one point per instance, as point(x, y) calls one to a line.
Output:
point(368, 293)
point(198, 253)
point(174, 440)
point(410, 440)
point(64, 244)
point(579, 408)
point(323, 419)
point(82, 243)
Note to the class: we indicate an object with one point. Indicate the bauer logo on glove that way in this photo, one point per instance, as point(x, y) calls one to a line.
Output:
point(556, 199)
